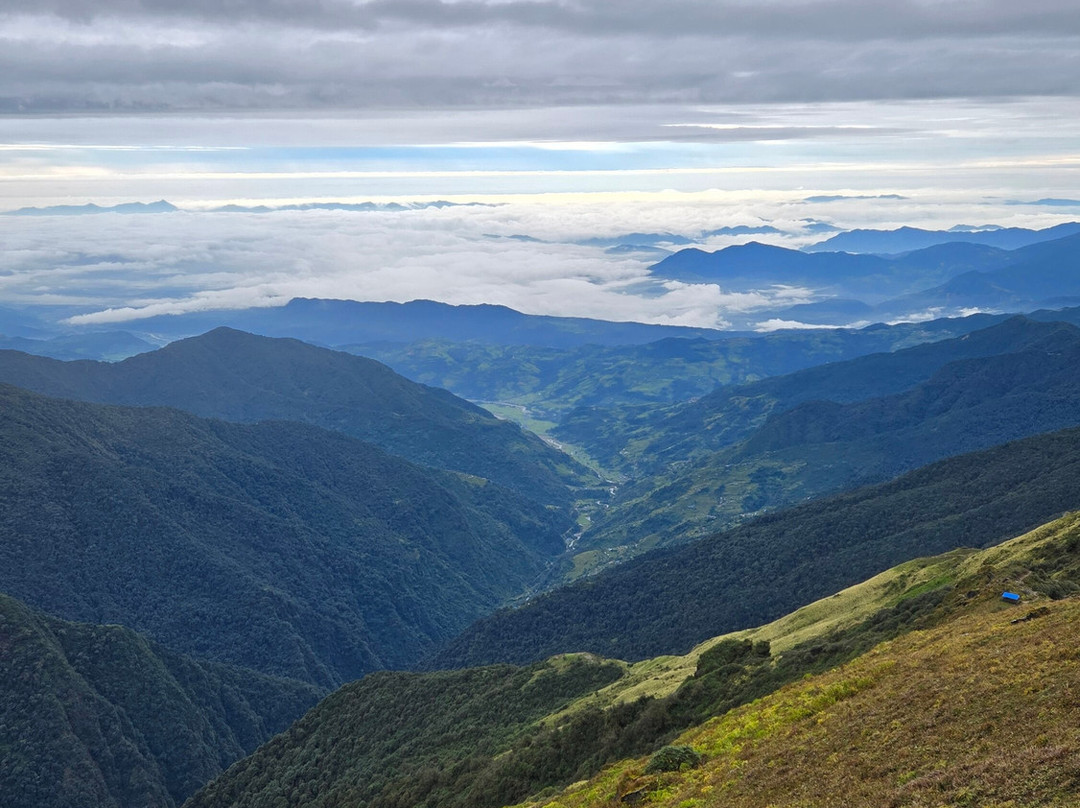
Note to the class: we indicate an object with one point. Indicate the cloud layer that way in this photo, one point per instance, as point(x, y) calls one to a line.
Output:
point(109, 269)
point(171, 263)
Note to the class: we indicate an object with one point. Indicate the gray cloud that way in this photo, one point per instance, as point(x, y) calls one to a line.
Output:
point(820, 19)
point(286, 54)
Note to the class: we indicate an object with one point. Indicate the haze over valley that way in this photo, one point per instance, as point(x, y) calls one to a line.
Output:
point(539, 404)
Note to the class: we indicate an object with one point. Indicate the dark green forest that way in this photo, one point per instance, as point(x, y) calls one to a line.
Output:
point(375, 741)
point(99, 716)
point(278, 546)
point(242, 377)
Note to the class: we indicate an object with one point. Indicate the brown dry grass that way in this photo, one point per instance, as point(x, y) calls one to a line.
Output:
point(980, 711)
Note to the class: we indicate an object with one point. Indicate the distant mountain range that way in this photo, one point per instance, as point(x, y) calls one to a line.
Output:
point(940, 279)
point(106, 345)
point(343, 322)
point(161, 206)
point(906, 239)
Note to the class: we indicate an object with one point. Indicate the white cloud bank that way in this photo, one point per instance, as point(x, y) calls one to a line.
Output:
point(113, 269)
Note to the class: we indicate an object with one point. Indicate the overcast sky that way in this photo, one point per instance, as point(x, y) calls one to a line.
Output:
point(572, 115)
point(348, 54)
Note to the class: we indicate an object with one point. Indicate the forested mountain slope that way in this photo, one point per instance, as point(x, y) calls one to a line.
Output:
point(283, 547)
point(551, 382)
point(668, 600)
point(394, 737)
point(810, 447)
point(649, 438)
point(353, 748)
point(98, 715)
point(241, 377)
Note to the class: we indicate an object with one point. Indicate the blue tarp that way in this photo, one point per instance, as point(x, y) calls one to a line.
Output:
point(1012, 597)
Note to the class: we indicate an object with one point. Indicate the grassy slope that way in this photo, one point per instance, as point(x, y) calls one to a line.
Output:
point(98, 715)
point(978, 710)
point(661, 676)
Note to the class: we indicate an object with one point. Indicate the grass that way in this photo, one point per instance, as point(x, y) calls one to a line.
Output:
point(662, 676)
point(940, 683)
point(978, 711)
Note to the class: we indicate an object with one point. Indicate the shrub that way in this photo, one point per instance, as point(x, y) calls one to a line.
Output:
point(672, 759)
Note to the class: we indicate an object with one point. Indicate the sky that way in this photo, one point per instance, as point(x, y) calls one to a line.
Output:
point(564, 120)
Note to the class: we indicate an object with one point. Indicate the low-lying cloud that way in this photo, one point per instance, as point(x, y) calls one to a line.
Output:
point(113, 269)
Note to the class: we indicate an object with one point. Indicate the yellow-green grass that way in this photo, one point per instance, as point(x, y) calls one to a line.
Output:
point(981, 710)
point(661, 676)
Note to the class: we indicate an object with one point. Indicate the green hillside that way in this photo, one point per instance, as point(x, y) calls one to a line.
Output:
point(550, 382)
point(977, 710)
point(646, 439)
point(407, 739)
point(781, 441)
point(286, 548)
point(382, 742)
point(668, 600)
point(241, 377)
point(98, 715)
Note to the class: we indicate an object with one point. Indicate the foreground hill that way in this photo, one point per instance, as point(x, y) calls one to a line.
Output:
point(282, 547)
point(347, 750)
point(978, 711)
point(97, 715)
point(668, 600)
point(241, 377)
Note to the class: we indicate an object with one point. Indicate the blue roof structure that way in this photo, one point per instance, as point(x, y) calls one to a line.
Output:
point(1012, 597)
